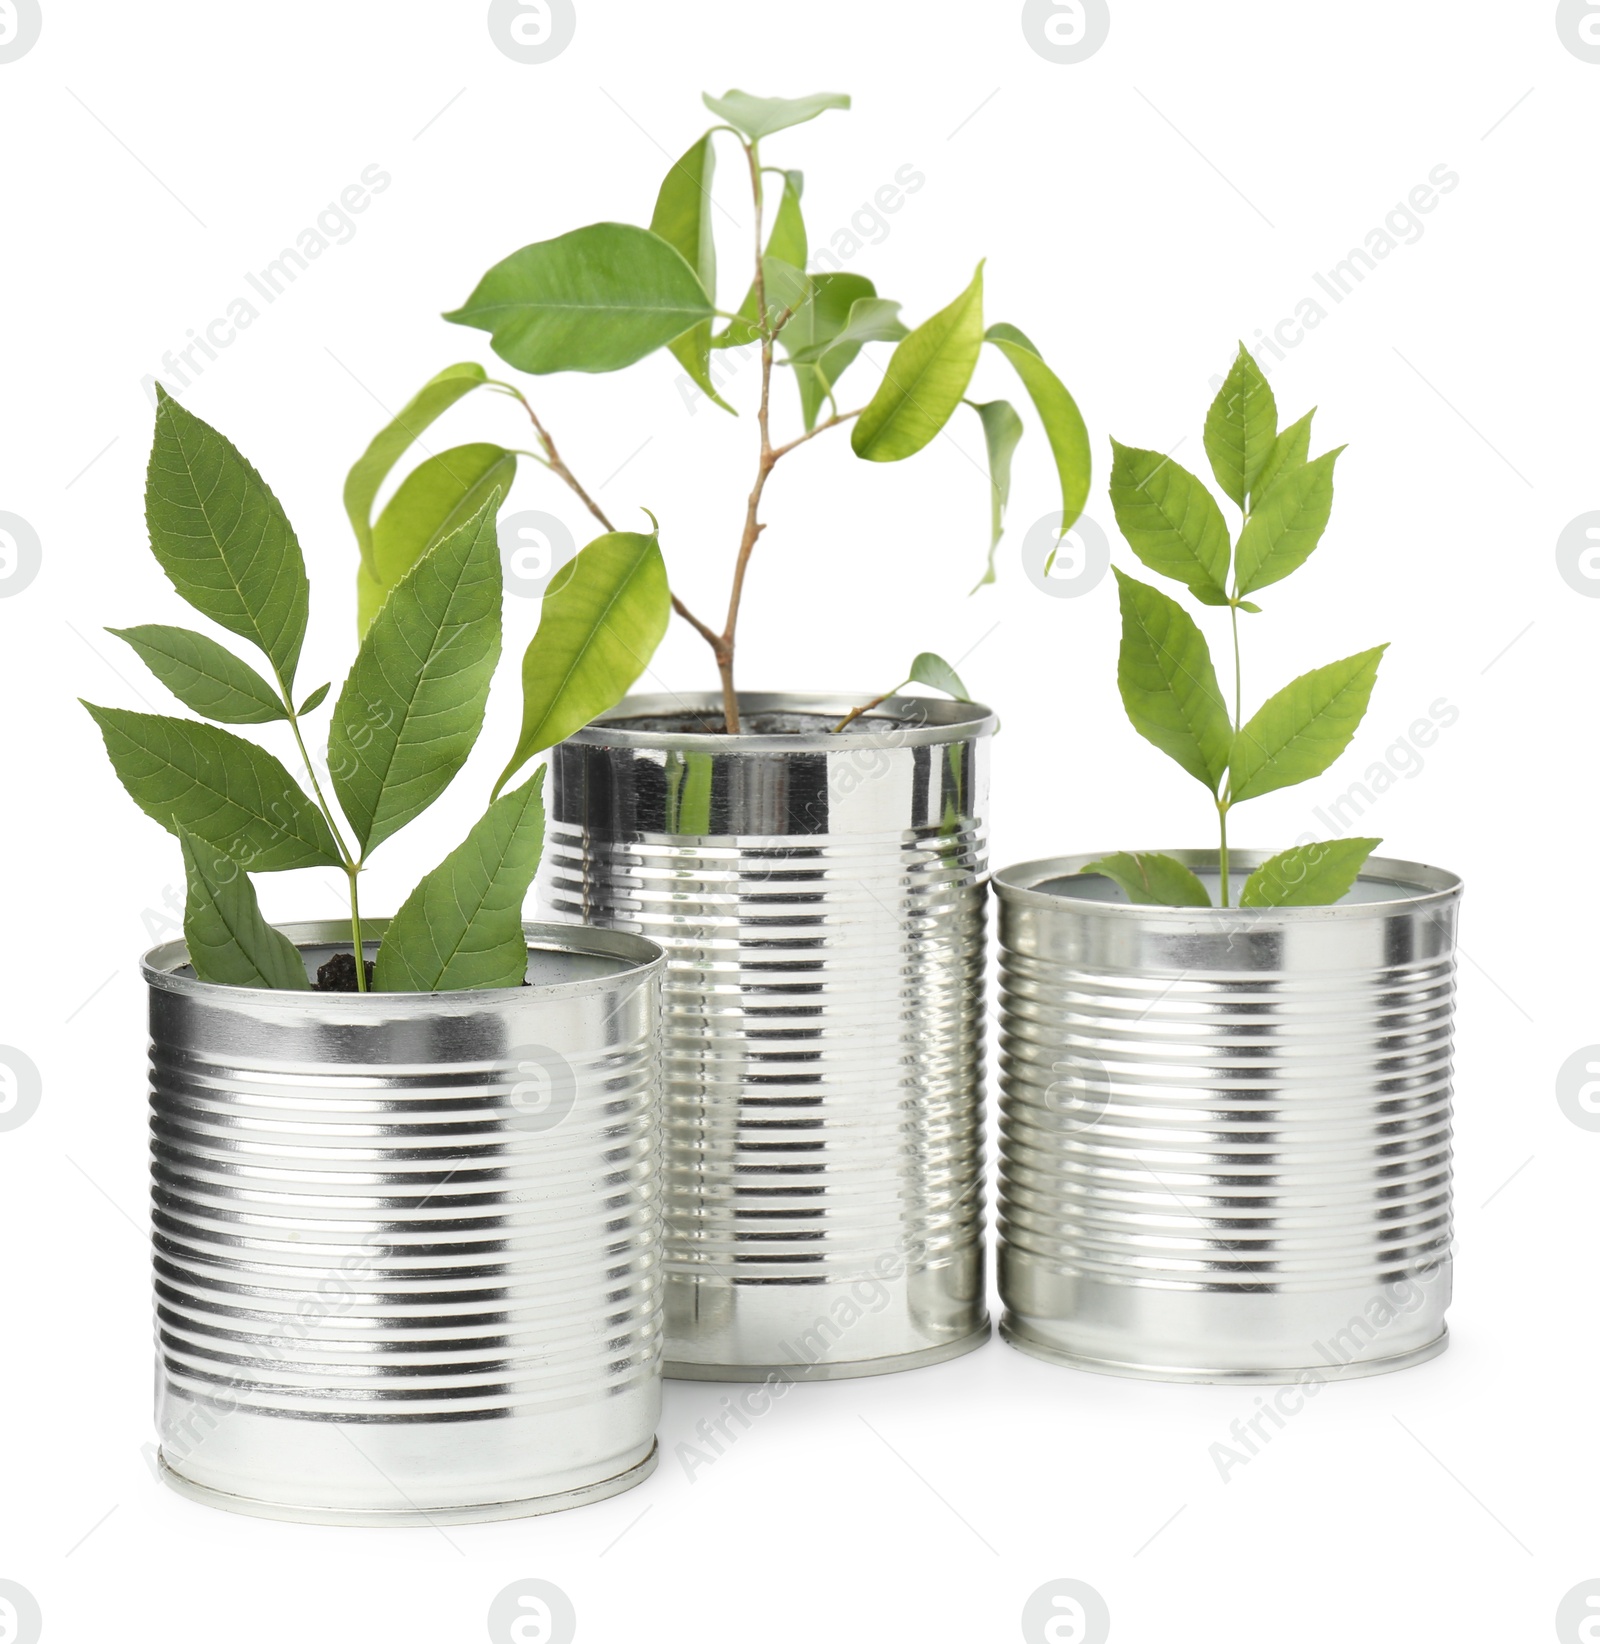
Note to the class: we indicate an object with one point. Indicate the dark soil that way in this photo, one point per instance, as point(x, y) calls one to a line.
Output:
point(338, 975)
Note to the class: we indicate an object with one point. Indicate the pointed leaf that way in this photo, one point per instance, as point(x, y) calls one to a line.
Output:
point(1287, 524)
point(1063, 423)
point(1168, 684)
point(204, 675)
point(596, 299)
point(1171, 521)
point(462, 926)
point(682, 218)
point(868, 318)
point(222, 537)
point(436, 498)
point(786, 244)
point(1290, 450)
point(228, 940)
point(315, 700)
point(1241, 427)
point(926, 380)
point(413, 704)
point(224, 790)
point(759, 117)
point(1298, 733)
point(932, 669)
point(810, 337)
point(1308, 875)
point(1002, 428)
point(1149, 877)
point(601, 622)
point(390, 443)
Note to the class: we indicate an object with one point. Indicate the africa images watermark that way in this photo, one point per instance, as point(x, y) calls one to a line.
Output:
point(1402, 226)
point(1391, 1304)
point(335, 225)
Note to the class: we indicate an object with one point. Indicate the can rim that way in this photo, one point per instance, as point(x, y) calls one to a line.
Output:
point(162, 964)
point(1428, 886)
point(909, 722)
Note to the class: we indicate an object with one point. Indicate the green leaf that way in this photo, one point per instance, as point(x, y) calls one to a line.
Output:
point(1298, 733)
point(600, 624)
point(1289, 451)
point(1241, 428)
point(1063, 423)
point(1150, 877)
point(315, 700)
point(226, 791)
point(811, 336)
point(1308, 875)
point(867, 318)
point(786, 244)
point(204, 675)
point(932, 669)
point(436, 498)
point(228, 940)
point(597, 299)
point(1171, 521)
point(1287, 524)
point(1002, 428)
point(925, 381)
point(1168, 684)
point(413, 704)
point(683, 219)
point(759, 117)
point(391, 442)
point(222, 537)
point(462, 926)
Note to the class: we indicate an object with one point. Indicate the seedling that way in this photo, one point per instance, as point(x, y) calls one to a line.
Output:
point(1168, 684)
point(605, 296)
point(402, 726)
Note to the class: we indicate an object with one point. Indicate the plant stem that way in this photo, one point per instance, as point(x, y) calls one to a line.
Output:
point(351, 866)
point(867, 707)
point(1222, 819)
point(352, 871)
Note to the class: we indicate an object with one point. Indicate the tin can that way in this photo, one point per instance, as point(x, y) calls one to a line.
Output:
point(821, 899)
point(407, 1246)
point(1225, 1133)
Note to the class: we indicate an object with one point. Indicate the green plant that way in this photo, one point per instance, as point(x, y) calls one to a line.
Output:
point(605, 296)
point(1164, 672)
point(402, 725)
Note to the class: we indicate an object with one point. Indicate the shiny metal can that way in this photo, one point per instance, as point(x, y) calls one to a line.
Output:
point(1225, 1133)
point(407, 1246)
point(821, 898)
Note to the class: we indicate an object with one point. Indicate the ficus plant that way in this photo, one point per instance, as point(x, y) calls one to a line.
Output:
point(605, 296)
point(400, 729)
point(1165, 673)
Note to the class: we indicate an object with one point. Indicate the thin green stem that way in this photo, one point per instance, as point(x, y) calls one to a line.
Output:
point(1222, 855)
point(352, 872)
point(352, 867)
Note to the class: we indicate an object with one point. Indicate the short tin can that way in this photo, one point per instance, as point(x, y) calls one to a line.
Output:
point(821, 897)
point(407, 1246)
point(1225, 1133)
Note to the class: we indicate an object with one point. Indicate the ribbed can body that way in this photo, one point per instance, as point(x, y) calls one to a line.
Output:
point(407, 1246)
point(821, 899)
point(1225, 1134)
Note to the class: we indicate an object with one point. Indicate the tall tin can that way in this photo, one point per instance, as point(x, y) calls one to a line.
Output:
point(407, 1246)
point(821, 898)
point(1225, 1134)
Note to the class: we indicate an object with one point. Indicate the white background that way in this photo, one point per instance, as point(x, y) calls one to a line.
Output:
point(1140, 211)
